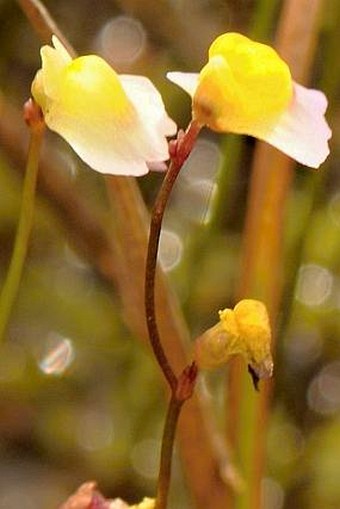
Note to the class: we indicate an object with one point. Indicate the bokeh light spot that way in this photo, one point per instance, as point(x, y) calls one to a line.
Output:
point(59, 354)
point(314, 285)
point(170, 250)
point(334, 209)
point(303, 347)
point(323, 394)
point(145, 458)
point(95, 430)
point(122, 40)
point(272, 494)
point(196, 186)
point(203, 161)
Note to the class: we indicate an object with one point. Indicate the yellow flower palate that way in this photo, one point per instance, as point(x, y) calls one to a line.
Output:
point(244, 83)
point(82, 99)
point(93, 73)
point(245, 331)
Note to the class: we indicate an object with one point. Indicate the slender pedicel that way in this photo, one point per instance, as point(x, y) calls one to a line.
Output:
point(34, 119)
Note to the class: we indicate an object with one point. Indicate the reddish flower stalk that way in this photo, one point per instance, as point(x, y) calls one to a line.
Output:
point(181, 387)
point(180, 150)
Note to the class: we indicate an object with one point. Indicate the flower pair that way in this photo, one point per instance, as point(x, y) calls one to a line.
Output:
point(118, 124)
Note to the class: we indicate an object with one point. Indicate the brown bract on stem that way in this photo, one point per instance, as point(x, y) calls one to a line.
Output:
point(186, 383)
point(181, 387)
point(185, 387)
point(33, 115)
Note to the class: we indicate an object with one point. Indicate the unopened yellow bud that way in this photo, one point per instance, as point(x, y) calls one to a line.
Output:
point(245, 331)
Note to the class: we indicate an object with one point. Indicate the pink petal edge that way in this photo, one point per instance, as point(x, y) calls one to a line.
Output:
point(87, 497)
point(302, 131)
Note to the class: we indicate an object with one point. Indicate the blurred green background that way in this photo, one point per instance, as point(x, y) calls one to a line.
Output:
point(80, 396)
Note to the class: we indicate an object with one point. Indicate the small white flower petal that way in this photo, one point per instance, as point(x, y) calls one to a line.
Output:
point(157, 166)
point(148, 101)
point(152, 115)
point(108, 163)
point(186, 80)
point(302, 131)
point(113, 148)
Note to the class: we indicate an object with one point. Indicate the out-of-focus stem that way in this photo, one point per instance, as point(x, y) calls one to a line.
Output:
point(43, 23)
point(262, 270)
point(13, 277)
point(262, 19)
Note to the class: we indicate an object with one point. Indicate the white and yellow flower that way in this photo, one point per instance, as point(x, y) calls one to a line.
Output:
point(116, 124)
point(246, 88)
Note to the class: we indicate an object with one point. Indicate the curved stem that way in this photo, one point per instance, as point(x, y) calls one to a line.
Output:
point(12, 281)
point(150, 273)
point(180, 151)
